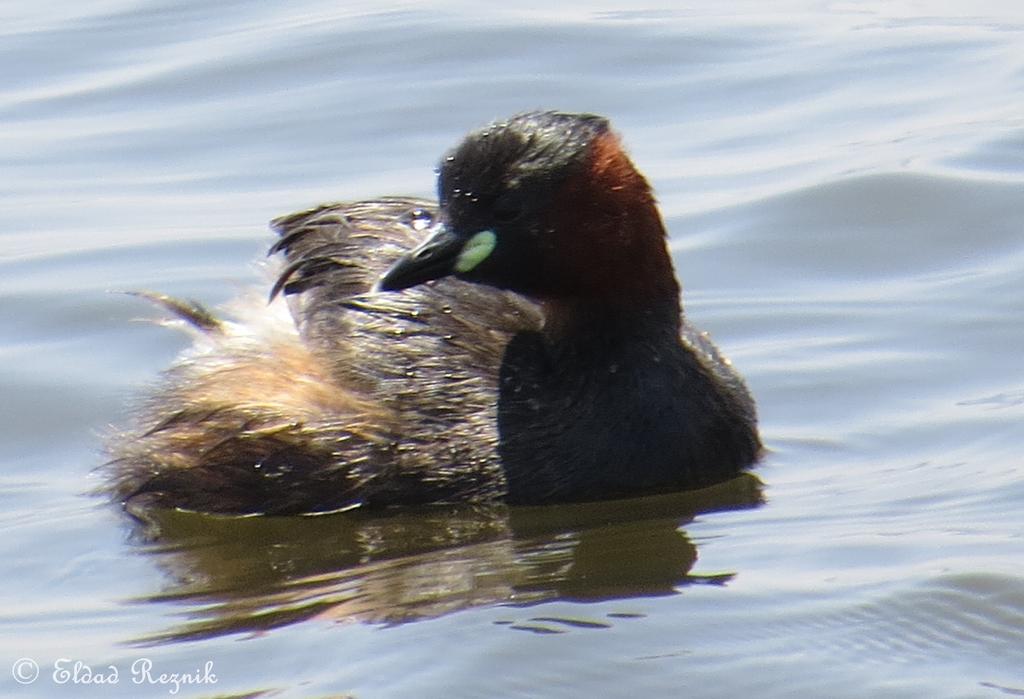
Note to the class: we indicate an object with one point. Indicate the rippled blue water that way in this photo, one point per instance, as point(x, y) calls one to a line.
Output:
point(844, 185)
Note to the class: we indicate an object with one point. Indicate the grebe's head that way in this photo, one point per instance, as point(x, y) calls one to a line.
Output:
point(546, 204)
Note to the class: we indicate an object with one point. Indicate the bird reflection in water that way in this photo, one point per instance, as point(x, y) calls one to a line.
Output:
point(253, 574)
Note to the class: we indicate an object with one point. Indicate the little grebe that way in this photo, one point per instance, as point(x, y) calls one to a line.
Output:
point(547, 361)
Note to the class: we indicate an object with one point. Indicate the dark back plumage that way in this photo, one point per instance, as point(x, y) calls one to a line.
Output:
point(351, 398)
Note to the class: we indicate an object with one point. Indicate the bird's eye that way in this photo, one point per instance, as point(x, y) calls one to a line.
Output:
point(508, 207)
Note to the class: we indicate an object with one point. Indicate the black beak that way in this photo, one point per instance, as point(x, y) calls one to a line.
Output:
point(434, 258)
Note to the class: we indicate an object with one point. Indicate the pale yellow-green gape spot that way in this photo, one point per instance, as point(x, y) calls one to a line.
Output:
point(475, 251)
